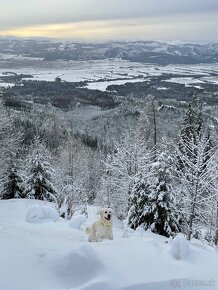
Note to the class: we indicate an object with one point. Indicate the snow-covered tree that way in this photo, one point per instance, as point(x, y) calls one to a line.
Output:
point(195, 153)
point(129, 158)
point(152, 200)
point(216, 223)
point(138, 214)
point(192, 127)
point(104, 194)
point(196, 180)
point(39, 183)
point(77, 176)
point(71, 197)
point(5, 130)
point(10, 143)
point(12, 181)
point(148, 121)
point(162, 204)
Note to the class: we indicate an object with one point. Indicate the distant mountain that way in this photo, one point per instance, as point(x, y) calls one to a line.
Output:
point(137, 51)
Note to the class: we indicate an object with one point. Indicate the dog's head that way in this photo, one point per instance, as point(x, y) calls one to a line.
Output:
point(106, 214)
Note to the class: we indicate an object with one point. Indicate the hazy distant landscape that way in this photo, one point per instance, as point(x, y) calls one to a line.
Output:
point(102, 74)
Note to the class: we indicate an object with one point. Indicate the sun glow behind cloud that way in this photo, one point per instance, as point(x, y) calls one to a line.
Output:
point(114, 29)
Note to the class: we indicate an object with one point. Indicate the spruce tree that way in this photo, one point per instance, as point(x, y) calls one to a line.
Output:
point(193, 121)
point(192, 129)
point(39, 183)
point(10, 143)
point(12, 182)
point(138, 214)
point(162, 199)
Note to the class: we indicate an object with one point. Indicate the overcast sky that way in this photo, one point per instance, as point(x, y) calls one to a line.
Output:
point(185, 20)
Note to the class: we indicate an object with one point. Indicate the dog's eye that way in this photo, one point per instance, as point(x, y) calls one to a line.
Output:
point(105, 212)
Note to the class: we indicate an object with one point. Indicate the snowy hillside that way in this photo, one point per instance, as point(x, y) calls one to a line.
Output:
point(51, 255)
point(139, 51)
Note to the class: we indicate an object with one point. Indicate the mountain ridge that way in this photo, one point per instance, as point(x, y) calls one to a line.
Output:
point(162, 53)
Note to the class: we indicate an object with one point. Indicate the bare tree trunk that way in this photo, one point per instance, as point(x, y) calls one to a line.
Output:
point(189, 234)
point(216, 233)
point(155, 128)
point(192, 216)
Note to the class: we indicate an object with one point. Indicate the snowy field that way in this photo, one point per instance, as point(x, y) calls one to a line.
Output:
point(102, 86)
point(6, 85)
point(49, 254)
point(100, 73)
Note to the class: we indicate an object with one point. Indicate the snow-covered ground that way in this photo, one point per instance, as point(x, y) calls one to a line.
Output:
point(102, 86)
point(6, 85)
point(185, 81)
point(101, 73)
point(52, 255)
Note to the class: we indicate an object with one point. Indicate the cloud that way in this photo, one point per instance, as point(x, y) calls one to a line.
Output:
point(111, 19)
point(21, 13)
point(170, 28)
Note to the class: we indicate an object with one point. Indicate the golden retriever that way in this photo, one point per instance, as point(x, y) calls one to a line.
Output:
point(102, 229)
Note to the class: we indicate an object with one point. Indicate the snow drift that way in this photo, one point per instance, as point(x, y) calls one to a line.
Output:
point(55, 256)
point(40, 214)
point(78, 267)
point(77, 221)
point(180, 248)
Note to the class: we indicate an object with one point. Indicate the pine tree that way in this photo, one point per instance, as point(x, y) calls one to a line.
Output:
point(138, 214)
point(12, 182)
point(193, 121)
point(39, 183)
point(162, 199)
point(192, 129)
point(10, 143)
point(5, 130)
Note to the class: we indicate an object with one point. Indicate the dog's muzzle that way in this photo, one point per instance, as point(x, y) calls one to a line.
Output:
point(108, 217)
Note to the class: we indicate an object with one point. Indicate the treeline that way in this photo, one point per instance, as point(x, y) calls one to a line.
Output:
point(60, 94)
point(180, 92)
point(165, 185)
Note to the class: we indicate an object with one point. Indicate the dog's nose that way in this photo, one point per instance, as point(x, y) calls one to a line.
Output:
point(108, 216)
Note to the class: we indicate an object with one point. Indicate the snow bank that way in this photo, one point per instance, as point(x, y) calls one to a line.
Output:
point(78, 267)
point(130, 233)
point(40, 214)
point(180, 248)
point(54, 256)
point(77, 221)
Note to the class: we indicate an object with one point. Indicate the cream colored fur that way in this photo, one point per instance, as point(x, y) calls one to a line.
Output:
point(102, 229)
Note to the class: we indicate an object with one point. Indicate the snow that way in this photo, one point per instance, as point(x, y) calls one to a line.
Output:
point(39, 214)
point(102, 86)
point(184, 80)
point(54, 256)
point(180, 248)
point(6, 85)
point(77, 221)
point(5, 56)
point(101, 73)
point(162, 88)
point(212, 79)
